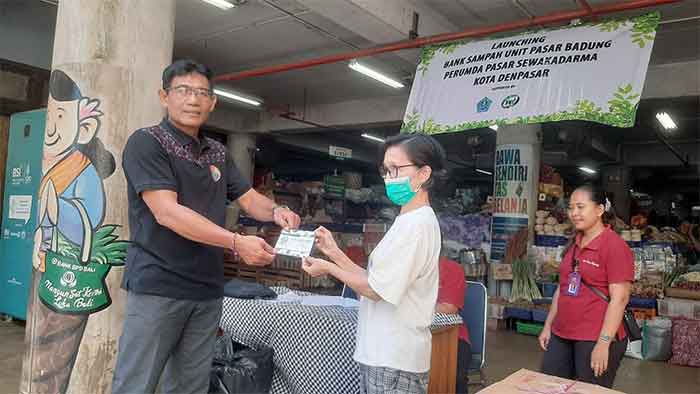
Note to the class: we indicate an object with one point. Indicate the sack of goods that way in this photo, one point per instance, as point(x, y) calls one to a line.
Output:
point(658, 339)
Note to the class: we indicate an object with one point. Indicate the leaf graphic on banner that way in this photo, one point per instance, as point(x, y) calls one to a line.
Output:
point(428, 53)
point(426, 56)
point(644, 29)
point(623, 106)
point(611, 25)
point(410, 123)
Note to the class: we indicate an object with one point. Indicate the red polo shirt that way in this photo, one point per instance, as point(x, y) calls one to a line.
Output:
point(452, 288)
point(606, 259)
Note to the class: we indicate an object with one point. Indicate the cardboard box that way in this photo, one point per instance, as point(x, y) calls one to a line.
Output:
point(496, 311)
point(529, 382)
point(682, 293)
point(502, 271)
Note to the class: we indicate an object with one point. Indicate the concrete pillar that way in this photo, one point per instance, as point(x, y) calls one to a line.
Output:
point(242, 147)
point(516, 181)
point(618, 181)
point(107, 63)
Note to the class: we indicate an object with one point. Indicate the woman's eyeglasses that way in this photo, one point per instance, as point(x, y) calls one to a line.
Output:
point(392, 172)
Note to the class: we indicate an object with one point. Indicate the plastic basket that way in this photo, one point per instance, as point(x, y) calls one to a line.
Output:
point(550, 241)
point(539, 315)
point(518, 313)
point(529, 328)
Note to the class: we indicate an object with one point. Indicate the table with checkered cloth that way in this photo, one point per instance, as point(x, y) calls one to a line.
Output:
point(313, 345)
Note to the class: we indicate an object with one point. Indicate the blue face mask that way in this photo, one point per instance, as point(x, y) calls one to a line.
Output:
point(399, 190)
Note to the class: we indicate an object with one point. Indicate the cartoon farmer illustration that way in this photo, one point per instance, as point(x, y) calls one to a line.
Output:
point(73, 249)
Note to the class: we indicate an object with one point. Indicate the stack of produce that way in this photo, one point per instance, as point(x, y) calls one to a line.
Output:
point(547, 224)
point(648, 288)
point(689, 281)
point(666, 234)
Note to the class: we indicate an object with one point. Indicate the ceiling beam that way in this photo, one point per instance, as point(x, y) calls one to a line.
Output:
point(659, 156)
point(383, 21)
point(555, 17)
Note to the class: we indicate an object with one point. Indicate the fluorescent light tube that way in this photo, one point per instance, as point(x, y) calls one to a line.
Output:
point(236, 97)
point(222, 4)
point(587, 170)
point(666, 121)
point(375, 75)
point(483, 171)
point(373, 138)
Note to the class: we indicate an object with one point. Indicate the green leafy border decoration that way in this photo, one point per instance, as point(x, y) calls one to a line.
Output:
point(643, 31)
point(621, 112)
point(106, 248)
point(643, 27)
point(428, 53)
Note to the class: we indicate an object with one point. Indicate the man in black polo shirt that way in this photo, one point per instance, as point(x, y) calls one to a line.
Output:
point(178, 183)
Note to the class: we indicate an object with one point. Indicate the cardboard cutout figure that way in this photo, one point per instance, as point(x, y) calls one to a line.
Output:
point(73, 250)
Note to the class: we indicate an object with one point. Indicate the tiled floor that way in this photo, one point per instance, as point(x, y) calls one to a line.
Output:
point(11, 353)
point(507, 352)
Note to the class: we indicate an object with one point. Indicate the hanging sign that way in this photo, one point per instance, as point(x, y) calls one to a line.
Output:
point(340, 153)
point(593, 72)
point(512, 190)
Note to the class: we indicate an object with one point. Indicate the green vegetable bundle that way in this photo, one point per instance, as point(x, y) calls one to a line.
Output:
point(524, 285)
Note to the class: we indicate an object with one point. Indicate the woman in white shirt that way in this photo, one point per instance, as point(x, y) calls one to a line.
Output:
point(399, 288)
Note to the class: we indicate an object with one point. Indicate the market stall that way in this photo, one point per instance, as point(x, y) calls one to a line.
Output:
point(665, 297)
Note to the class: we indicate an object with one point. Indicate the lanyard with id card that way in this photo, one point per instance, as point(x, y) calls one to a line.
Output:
point(574, 277)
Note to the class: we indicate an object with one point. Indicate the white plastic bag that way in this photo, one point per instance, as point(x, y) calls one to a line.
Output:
point(634, 350)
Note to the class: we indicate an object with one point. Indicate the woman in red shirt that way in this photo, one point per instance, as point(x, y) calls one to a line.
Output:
point(583, 337)
point(450, 300)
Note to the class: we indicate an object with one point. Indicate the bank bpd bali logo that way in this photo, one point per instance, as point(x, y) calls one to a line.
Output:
point(483, 105)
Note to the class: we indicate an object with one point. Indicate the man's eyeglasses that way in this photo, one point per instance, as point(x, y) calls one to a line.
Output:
point(183, 91)
point(392, 172)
